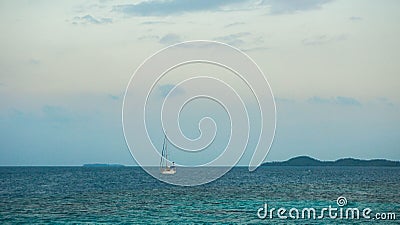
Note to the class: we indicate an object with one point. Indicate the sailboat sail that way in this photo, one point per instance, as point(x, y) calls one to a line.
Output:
point(165, 168)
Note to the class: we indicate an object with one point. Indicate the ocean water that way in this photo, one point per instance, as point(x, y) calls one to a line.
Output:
point(128, 195)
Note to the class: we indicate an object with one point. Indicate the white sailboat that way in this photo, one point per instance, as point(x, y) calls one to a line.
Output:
point(165, 166)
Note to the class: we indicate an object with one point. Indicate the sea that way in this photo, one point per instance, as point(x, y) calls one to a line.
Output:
point(128, 195)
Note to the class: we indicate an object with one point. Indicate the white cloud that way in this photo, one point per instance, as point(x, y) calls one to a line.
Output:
point(323, 39)
point(290, 6)
point(88, 19)
point(164, 8)
point(339, 100)
point(169, 39)
point(233, 39)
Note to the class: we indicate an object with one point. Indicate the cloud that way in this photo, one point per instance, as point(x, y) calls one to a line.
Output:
point(149, 37)
point(323, 39)
point(319, 100)
point(170, 39)
point(234, 24)
point(166, 88)
point(284, 100)
point(347, 101)
point(47, 114)
point(339, 100)
point(385, 101)
point(155, 22)
point(88, 19)
point(355, 18)
point(114, 97)
point(233, 39)
point(168, 7)
point(167, 39)
point(290, 6)
point(34, 61)
point(255, 49)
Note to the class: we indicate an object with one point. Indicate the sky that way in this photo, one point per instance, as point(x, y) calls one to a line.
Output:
point(64, 67)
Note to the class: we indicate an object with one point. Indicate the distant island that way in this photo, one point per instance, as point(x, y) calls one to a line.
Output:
point(308, 161)
point(102, 165)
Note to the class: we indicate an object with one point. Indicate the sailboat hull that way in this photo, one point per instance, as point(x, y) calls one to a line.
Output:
point(168, 172)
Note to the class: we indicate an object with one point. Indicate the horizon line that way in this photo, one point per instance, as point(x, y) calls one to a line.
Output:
point(240, 165)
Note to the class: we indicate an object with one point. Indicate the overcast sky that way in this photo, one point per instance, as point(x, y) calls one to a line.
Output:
point(333, 67)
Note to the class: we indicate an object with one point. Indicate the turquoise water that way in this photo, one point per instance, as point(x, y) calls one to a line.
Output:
point(129, 195)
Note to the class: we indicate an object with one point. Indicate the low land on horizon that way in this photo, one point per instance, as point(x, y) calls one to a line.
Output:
point(309, 161)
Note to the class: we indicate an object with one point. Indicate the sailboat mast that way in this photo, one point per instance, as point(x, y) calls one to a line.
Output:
point(162, 154)
point(166, 151)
